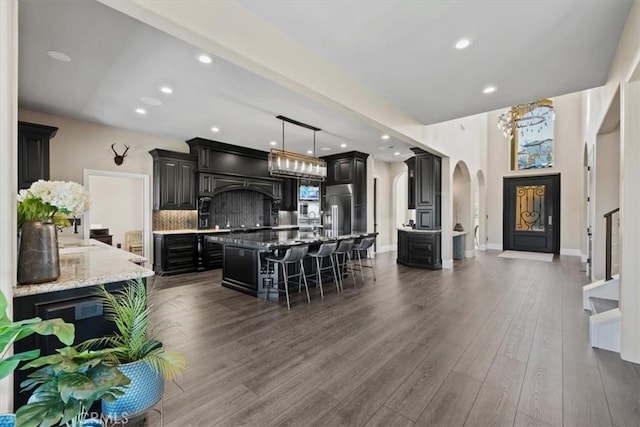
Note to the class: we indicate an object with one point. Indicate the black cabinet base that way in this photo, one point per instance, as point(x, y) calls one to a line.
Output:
point(437, 266)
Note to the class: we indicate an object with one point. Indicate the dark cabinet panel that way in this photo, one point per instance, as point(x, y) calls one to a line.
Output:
point(174, 180)
point(420, 250)
point(210, 185)
point(411, 183)
point(360, 177)
point(289, 194)
point(175, 253)
point(33, 152)
point(427, 201)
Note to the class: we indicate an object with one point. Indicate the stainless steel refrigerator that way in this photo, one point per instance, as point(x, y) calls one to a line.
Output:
point(339, 209)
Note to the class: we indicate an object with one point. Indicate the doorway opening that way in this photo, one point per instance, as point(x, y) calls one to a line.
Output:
point(532, 214)
point(119, 202)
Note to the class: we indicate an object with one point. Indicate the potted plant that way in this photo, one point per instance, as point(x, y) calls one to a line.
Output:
point(11, 332)
point(66, 384)
point(41, 208)
point(137, 351)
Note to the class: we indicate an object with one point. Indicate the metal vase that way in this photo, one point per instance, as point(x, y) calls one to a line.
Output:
point(38, 258)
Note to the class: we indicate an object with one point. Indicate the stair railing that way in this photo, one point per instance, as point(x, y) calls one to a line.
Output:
point(608, 242)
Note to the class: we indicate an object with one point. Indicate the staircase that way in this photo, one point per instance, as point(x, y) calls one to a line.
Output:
point(602, 299)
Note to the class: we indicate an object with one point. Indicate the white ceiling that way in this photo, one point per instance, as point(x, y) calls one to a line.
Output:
point(401, 50)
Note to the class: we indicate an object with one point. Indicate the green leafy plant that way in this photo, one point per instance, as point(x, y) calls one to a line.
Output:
point(66, 385)
point(135, 338)
point(11, 332)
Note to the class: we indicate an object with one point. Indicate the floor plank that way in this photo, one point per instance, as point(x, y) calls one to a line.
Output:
point(494, 341)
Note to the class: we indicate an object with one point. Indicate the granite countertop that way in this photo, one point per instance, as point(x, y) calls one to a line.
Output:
point(89, 262)
point(413, 230)
point(224, 230)
point(270, 239)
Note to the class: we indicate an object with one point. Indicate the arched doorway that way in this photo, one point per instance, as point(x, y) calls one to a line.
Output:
point(480, 212)
point(400, 212)
point(463, 212)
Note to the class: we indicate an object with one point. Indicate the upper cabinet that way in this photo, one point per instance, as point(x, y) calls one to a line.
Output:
point(33, 152)
point(174, 180)
point(427, 175)
point(351, 168)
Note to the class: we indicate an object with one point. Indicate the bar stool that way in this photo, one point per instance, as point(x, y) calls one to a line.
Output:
point(344, 248)
point(325, 250)
point(293, 254)
point(363, 246)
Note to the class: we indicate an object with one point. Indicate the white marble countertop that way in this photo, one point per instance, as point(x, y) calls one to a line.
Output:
point(413, 230)
point(89, 262)
point(213, 230)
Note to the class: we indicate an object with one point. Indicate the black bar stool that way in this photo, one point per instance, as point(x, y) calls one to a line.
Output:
point(325, 250)
point(292, 255)
point(364, 245)
point(344, 248)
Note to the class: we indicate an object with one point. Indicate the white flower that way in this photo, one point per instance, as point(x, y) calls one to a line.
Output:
point(68, 197)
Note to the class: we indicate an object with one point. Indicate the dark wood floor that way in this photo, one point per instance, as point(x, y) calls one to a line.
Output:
point(493, 342)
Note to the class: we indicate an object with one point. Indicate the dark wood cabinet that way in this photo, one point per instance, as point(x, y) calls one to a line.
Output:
point(174, 180)
point(212, 184)
point(78, 306)
point(427, 194)
point(419, 249)
point(33, 152)
point(289, 194)
point(351, 168)
point(411, 183)
point(175, 253)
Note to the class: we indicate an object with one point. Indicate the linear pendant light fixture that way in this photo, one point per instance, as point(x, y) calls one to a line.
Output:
point(290, 164)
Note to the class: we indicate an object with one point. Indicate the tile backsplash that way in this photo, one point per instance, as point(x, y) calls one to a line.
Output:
point(175, 220)
point(242, 207)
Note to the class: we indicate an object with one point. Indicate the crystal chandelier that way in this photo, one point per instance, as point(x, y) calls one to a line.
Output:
point(290, 164)
point(526, 118)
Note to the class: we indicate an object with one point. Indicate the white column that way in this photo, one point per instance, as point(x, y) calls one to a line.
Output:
point(446, 208)
point(8, 164)
point(629, 224)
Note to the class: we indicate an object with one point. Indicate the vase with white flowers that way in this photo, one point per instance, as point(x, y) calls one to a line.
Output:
point(42, 207)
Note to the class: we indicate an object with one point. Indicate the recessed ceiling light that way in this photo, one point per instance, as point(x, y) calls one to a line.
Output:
point(309, 151)
point(215, 129)
point(166, 89)
point(273, 143)
point(385, 137)
point(463, 43)
point(141, 111)
point(59, 56)
point(151, 101)
point(325, 148)
point(343, 145)
point(489, 89)
point(205, 59)
point(397, 153)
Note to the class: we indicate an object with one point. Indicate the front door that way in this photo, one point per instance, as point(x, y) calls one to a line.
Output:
point(532, 214)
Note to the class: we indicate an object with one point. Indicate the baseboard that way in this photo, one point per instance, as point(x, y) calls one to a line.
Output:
point(447, 264)
point(571, 252)
point(584, 257)
point(482, 248)
point(470, 254)
point(494, 246)
point(388, 248)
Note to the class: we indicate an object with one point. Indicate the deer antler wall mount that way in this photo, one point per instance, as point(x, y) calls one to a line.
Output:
point(119, 158)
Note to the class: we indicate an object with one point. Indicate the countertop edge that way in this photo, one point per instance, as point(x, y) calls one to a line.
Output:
point(413, 230)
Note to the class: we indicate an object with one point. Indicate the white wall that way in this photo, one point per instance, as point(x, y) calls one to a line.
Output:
point(116, 203)
point(382, 171)
point(606, 194)
point(8, 166)
point(568, 161)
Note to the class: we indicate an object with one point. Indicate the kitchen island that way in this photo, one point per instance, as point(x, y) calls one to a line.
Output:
point(244, 268)
point(84, 264)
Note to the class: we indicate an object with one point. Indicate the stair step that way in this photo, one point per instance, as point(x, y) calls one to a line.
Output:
point(600, 305)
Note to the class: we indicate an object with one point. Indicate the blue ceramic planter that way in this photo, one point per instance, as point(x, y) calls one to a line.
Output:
point(144, 391)
point(7, 420)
